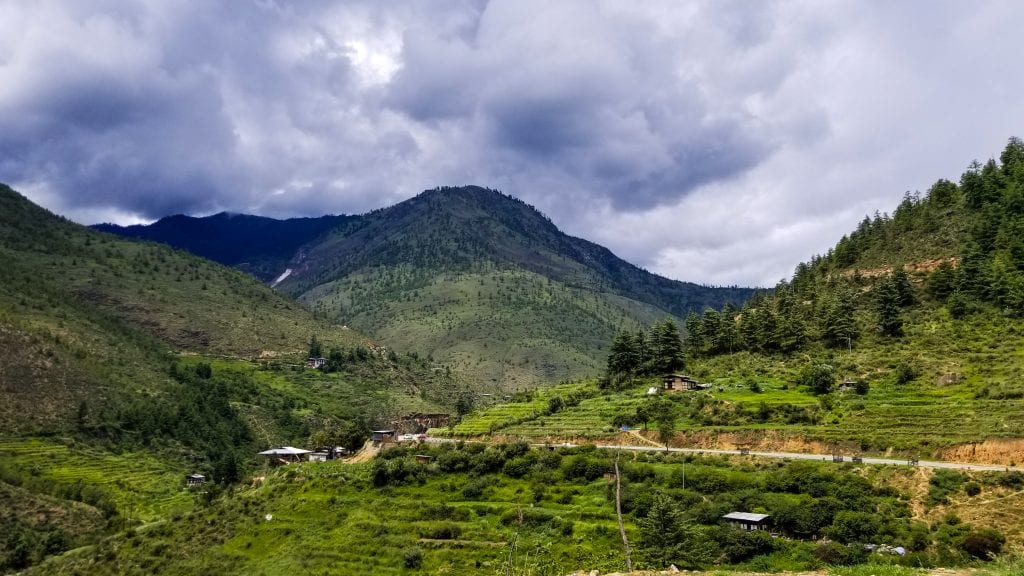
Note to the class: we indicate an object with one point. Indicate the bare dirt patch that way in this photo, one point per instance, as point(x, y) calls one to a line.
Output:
point(1006, 451)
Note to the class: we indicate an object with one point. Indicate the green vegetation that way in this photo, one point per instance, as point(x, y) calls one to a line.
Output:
point(124, 366)
point(510, 509)
point(918, 354)
point(468, 276)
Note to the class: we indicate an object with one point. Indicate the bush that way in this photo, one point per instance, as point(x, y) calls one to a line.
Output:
point(905, 372)
point(835, 554)
point(983, 543)
point(972, 488)
point(445, 532)
point(473, 490)
point(413, 557)
point(526, 517)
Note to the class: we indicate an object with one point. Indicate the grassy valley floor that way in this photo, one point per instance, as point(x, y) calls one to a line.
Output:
point(513, 510)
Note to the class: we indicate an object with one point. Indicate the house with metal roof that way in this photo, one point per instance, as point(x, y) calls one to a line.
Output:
point(747, 520)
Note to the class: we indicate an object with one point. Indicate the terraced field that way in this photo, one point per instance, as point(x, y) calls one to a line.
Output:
point(498, 418)
point(913, 419)
point(143, 487)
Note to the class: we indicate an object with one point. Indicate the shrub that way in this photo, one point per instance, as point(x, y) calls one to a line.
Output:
point(983, 543)
point(972, 488)
point(835, 554)
point(413, 557)
point(445, 532)
point(905, 372)
point(474, 489)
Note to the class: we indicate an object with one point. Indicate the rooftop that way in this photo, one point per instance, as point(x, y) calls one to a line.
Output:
point(745, 516)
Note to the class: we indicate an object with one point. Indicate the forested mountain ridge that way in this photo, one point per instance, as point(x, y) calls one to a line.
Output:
point(458, 229)
point(480, 280)
point(959, 248)
point(253, 244)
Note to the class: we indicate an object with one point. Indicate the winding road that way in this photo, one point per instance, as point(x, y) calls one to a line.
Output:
point(779, 455)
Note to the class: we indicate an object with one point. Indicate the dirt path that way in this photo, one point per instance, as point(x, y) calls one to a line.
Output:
point(365, 455)
point(636, 434)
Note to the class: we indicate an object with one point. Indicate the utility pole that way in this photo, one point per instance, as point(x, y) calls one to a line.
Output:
point(618, 512)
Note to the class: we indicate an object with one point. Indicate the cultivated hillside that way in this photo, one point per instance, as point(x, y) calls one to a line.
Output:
point(482, 281)
point(124, 365)
point(904, 338)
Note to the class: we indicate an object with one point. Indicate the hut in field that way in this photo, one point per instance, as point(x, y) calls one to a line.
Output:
point(285, 454)
point(748, 521)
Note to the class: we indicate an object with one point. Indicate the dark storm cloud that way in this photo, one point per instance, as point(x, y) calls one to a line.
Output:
point(715, 141)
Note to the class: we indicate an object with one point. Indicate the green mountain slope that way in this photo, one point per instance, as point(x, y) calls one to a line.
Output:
point(468, 276)
point(484, 282)
point(125, 365)
point(919, 314)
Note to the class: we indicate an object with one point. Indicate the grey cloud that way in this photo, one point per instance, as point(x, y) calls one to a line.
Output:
point(757, 133)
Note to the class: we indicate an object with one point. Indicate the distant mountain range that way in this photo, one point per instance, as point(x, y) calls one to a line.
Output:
point(468, 275)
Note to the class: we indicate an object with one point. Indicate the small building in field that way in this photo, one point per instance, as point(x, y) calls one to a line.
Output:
point(681, 382)
point(381, 436)
point(748, 521)
point(424, 458)
point(285, 454)
point(315, 362)
point(193, 480)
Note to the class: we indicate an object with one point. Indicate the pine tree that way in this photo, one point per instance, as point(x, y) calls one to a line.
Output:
point(623, 357)
point(667, 347)
point(839, 328)
point(694, 334)
point(887, 302)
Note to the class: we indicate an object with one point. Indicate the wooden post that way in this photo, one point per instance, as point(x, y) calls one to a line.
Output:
point(618, 512)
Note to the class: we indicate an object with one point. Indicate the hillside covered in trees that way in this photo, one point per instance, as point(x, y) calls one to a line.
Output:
point(469, 276)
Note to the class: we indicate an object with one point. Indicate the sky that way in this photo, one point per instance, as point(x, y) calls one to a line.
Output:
point(719, 142)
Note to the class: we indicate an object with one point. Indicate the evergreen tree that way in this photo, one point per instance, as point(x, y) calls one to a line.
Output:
point(694, 334)
point(903, 287)
point(643, 352)
point(941, 282)
point(667, 537)
point(623, 357)
point(839, 328)
point(315, 348)
point(728, 333)
point(667, 347)
point(887, 303)
point(711, 325)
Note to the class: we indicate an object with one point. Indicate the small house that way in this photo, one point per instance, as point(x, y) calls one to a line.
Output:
point(423, 458)
point(285, 454)
point(380, 436)
point(680, 382)
point(315, 362)
point(193, 480)
point(748, 521)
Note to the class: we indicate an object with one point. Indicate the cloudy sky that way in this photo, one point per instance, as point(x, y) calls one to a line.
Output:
point(718, 142)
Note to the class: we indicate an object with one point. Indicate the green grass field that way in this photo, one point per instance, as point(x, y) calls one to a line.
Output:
point(548, 513)
point(144, 486)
